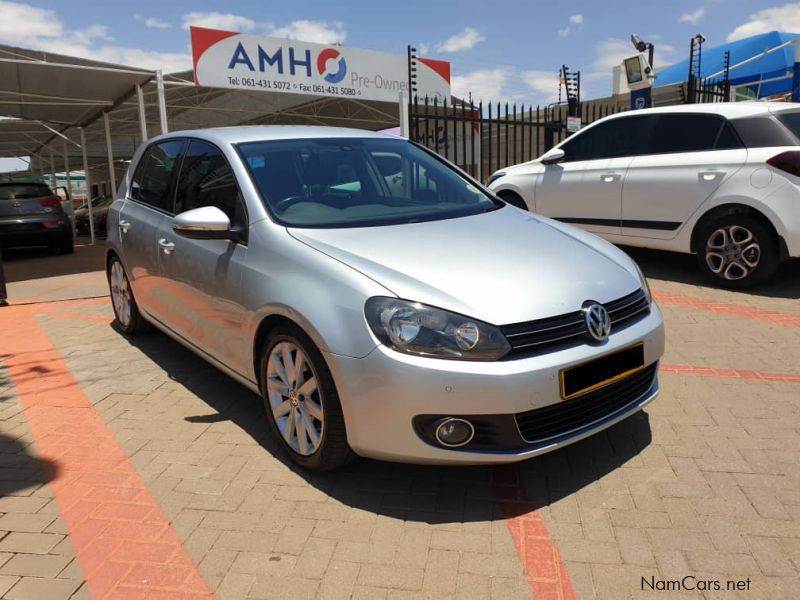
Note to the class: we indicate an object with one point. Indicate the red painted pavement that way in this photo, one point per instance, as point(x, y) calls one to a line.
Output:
point(122, 541)
point(545, 572)
point(729, 373)
point(739, 311)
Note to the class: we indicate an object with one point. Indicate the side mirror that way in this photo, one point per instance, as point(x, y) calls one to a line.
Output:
point(551, 157)
point(204, 223)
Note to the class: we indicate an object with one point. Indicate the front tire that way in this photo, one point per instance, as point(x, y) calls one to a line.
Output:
point(128, 319)
point(301, 401)
point(737, 251)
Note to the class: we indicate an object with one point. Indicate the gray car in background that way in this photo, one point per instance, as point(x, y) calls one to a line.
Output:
point(380, 301)
point(32, 215)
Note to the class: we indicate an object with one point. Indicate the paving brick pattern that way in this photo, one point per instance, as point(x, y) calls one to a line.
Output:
point(704, 483)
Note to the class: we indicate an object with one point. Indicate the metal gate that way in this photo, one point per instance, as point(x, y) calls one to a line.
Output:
point(482, 138)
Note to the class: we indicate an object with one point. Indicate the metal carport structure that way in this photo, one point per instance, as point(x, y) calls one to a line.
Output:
point(64, 111)
point(50, 99)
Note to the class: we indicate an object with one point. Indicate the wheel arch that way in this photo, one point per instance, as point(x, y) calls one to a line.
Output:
point(735, 208)
point(111, 254)
point(269, 322)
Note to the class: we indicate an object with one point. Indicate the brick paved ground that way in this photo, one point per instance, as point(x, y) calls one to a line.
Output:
point(706, 482)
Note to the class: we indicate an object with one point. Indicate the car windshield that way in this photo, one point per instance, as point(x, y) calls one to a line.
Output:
point(358, 182)
point(20, 191)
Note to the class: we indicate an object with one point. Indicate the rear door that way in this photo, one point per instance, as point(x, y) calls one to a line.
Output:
point(586, 187)
point(148, 204)
point(689, 157)
point(200, 280)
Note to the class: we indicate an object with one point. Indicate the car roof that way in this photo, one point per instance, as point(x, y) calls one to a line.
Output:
point(731, 110)
point(260, 133)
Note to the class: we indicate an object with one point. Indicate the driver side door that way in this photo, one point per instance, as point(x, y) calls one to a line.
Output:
point(201, 279)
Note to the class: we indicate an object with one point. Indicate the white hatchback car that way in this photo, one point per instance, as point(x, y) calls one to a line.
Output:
point(718, 180)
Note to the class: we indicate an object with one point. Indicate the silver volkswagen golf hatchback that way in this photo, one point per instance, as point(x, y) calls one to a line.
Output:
point(382, 302)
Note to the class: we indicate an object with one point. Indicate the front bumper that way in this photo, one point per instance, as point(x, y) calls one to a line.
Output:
point(383, 393)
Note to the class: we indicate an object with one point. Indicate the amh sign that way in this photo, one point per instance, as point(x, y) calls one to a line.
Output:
point(241, 61)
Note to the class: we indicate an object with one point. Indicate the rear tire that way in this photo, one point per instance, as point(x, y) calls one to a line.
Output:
point(737, 251)
point(301, 401)
point(67, 247)
point(128, 319)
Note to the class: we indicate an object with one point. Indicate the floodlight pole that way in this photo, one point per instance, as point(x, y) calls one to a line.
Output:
point(162, 102)
point(142, 115)
point(110, 154)
point(88, 184)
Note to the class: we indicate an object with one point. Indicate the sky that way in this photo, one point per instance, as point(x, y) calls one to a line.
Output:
point(510, 50)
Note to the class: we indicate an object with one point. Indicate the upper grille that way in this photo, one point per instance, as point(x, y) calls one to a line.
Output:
point(536, 335)
point(569, 415)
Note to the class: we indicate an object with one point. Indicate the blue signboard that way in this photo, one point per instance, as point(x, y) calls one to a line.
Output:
point(641, 98)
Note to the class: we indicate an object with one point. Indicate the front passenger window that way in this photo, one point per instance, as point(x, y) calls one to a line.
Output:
point(206, 179)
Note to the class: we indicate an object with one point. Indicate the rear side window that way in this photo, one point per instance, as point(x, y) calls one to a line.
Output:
point(624, 136)
point(153, 180)
point(20, 191)
point(790, 120)
point(676, 133)
point(206, 179)
point(763, 132)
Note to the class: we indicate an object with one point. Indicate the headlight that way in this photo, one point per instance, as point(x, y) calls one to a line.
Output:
point(494, 177)
point(643, 281)
point(414, 328)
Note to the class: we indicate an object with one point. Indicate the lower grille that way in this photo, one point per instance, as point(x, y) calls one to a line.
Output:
point(558, 419)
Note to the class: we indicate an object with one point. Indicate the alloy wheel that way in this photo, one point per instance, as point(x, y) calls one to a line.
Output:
point(120, 293)
point(732, 252)
point(294, 398)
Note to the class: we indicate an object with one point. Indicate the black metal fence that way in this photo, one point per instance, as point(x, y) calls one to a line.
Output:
point(483, 137)
point(713, 91)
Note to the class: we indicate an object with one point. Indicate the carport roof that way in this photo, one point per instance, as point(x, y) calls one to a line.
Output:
point(62, 90)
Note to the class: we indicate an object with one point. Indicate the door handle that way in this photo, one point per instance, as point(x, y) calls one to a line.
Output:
point(166, 245)
point(124, 226)
point(609, 177)
point(711, 175)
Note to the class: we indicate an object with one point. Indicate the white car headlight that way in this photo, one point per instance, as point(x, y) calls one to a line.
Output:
point(494, 177)
point(423, 330)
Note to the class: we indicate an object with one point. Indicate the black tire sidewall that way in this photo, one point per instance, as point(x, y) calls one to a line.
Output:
point(768, 262)
point(333, 450)
point(137, 323)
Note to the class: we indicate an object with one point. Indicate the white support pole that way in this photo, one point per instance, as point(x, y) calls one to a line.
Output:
point(162, 101)
point(110, 153)
point(53, 180)
point(404, 120)
point(88, 184)
point(70, 204)
point(142, 115)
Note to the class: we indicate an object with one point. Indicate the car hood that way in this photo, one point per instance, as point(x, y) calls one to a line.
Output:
point(502, 267)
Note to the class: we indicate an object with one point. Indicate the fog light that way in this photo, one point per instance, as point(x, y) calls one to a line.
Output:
point(453, 433)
